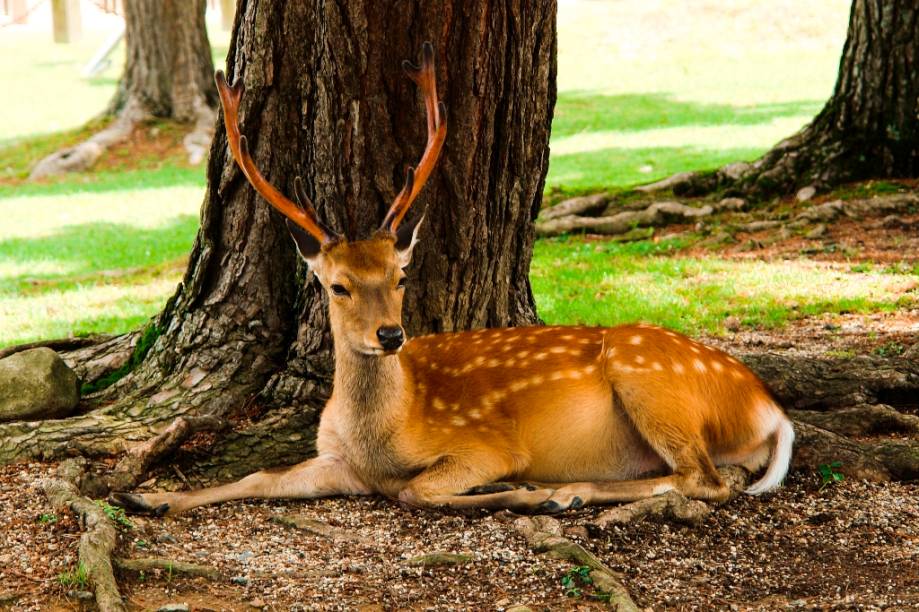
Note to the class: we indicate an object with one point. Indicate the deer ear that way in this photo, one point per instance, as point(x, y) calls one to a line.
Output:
point(307, 246)
point(406, 239)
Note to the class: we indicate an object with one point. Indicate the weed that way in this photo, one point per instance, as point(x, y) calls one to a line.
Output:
point(575, 579)
point(47, 518)
point(116, 514)
point(147, 337)
point(829, 475)
point(890, 349)
point(76, 579)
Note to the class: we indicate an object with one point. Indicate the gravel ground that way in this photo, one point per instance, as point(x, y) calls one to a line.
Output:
point(853, 545)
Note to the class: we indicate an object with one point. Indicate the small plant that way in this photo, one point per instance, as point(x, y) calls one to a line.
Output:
point(575, 579)
point(76, 579)
point(48, 518)
point(116, 514)
point(829, 475)
point(142, 544)
point(890, 349)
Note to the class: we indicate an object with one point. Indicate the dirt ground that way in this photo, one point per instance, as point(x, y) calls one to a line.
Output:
point(853, 545)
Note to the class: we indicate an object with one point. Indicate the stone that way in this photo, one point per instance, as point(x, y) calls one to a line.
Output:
point(174, 607)
point(731, 204)
point(37, 384)
point(806, 193)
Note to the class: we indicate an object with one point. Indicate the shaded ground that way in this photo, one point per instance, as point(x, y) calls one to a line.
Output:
point(852, 546)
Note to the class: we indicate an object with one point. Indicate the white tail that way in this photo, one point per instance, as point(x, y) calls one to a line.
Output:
point(779, 460)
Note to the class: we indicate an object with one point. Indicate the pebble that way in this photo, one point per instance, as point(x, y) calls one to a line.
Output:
point(174, 607)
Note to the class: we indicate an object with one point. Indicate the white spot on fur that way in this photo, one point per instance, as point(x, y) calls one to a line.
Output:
point(458, 421)
point(678, 367)
point(558, 349)
point(636, 340)
point(639, 359)
point(698, 365)
point(716, 365)
point(657, 366)
point(438, 404)
point(475, 413)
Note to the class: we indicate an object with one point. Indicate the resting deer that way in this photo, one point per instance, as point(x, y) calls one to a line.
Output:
point(441, 420)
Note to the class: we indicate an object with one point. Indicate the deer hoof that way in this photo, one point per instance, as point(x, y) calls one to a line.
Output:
point(136, 504)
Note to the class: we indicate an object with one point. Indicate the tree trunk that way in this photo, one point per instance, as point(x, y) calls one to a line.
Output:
point(168, 64)
point(168, 74)
point(868, 129)
point(326, 99)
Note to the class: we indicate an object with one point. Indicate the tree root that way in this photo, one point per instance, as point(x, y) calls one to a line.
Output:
point(167, 565)
point(336, 534)
point(99, 536)
point(133, 465)
point(656, 215)
point(860, 420)
point(544, 535)
point(59, 344)
point(671, 506)
point(84, 155)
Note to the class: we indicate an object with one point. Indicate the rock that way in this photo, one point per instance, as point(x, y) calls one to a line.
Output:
point(240, 580)
point(438, 559)
point(736, 170)
point(578, 531)
point(823, 212)
point(257, 603)
point(731, 204)
point(758, 226)
point(173, 607)
point(732, 323)
point(80, 595)
point(165, 538)
point(806, 193)
point(36, 384)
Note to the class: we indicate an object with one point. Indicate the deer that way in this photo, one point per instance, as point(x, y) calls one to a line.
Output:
point(527, 419)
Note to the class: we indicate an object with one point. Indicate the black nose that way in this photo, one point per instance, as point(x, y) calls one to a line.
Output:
point(391, 338)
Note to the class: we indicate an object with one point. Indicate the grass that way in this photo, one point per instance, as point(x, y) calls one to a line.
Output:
point(578, 281)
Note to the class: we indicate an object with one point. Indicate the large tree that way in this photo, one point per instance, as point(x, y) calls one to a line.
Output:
point(168, 74)
point(326, 99)
point(869, 128)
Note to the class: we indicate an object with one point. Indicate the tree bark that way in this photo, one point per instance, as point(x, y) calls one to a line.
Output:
point(868, 129)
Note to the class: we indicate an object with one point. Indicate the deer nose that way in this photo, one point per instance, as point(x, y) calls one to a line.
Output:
point(391, 338)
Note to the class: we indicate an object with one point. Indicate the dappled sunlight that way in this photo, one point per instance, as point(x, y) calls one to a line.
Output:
point(106, 308)
point(606, 284)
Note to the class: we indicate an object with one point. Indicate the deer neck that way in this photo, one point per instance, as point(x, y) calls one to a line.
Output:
point(370, 388)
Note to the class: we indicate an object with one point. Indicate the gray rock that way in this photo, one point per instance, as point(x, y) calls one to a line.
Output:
point(731, 204)
point(806, 193)
point(36, 384)
point(173, 607)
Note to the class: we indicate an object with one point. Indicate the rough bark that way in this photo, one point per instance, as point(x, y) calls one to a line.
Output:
point(868, 129)
point(168, 74)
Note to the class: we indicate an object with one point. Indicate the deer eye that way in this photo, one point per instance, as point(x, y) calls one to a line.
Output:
point(401, 283)
point(339, 290)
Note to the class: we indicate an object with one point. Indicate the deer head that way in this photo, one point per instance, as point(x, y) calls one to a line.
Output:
point(365, 278)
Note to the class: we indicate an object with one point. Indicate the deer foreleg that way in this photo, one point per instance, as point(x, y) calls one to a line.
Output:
point(322, 476)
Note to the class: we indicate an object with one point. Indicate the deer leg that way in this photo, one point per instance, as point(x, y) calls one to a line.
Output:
point(694, 476)
point(322, 476)
point(446, 483)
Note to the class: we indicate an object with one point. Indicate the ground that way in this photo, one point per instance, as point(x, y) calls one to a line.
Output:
point(852, 545)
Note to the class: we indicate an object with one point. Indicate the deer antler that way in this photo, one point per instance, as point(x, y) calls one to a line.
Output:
point(303, 215)
point(415, 178)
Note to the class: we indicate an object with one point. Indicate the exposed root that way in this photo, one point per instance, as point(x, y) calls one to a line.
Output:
point(169, 566)
point(198, 141)
point(99, 535)
point(544, 535)
point(670, 506)
point(132, 467)
point(84, 155)
point(861, 420)
point(59, 344)
point(316, 527)
point(656, 215)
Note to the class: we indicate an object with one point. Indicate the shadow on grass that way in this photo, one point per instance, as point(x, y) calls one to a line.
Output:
point(578, 112)
point(624, 167)
point(96, 248)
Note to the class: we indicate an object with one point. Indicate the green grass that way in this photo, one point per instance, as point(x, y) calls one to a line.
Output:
point(578, 281)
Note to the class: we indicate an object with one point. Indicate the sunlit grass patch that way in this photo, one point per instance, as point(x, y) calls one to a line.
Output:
point(91, 262)
point(596, 283)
